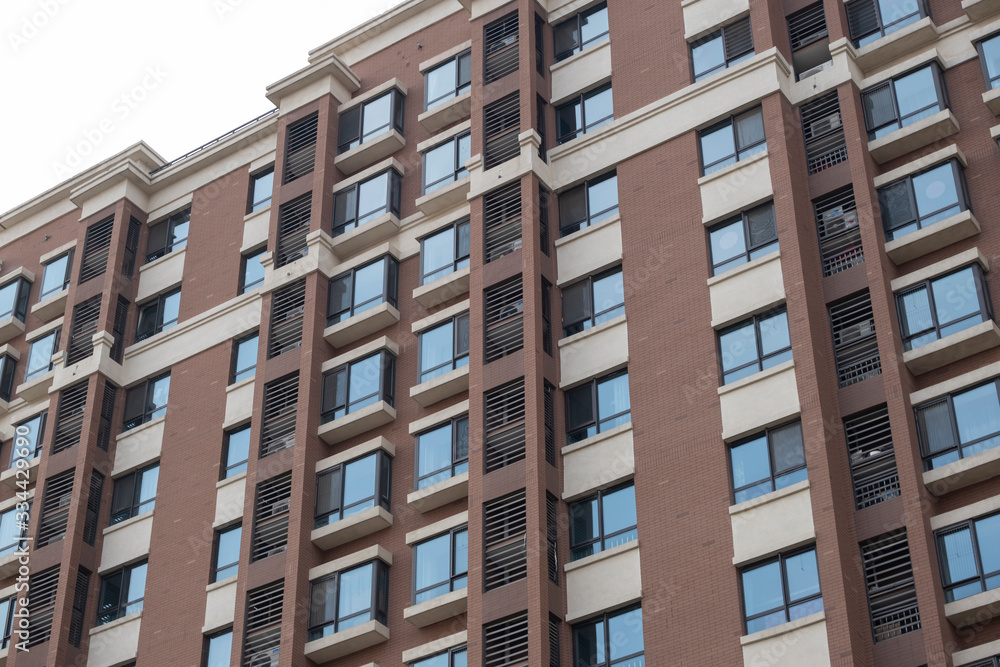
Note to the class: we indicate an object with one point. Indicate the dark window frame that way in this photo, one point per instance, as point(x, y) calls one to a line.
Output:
point(228, 467)
point(170, 242)
point(881, 31)
point(958, 447)
point(458, 172)
point(961, 188)
point(216, 567)
point(597, 419)
point(588, 282)
point(728, 60)
point(253, 254)
point(19, 304)
point(206, 651)
point(601, 538)
point(941, 100)
point(234, 372)
point(253, 202)
point(40, 438)
point(393, 197)
point(149, 408)
point(753, 251)
point(991, 83)
point(378, 610)
point(136, 506)
point(741, 153)
point(390, 290)
point(585, 125)
point(381, 495)
point(158, 303)
point(8, 621)
point(67, 278)
point(456, 460)
point(57, 333)
point(8, 369)
point(605, 620)
point(780, 558)
point(771, 460)
point(457, 354)
point(458, 261)
point(588, 221)
point(460, 87)
point(576, 21)
point(761, 357)
point(453, 576)
point(385, 391)
point(982, 292)
point(346, 142)
point(21, 519)
point(120, 610)
point(451, 653)
point(981, 576)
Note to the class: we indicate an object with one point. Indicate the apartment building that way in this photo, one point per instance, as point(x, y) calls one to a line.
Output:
point(531, 332)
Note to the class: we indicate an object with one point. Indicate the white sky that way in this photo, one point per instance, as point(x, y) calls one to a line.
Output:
point(84, 79)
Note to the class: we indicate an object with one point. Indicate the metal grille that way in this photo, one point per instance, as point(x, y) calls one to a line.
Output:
point(501, 55)
point(892, 596)
point(824, 132)
point(839, 232)
point(873, 461)
point(554, 650)
point(79, 606)
point(552, 536)
point(118, 329)
point(501, 125)
point(55, 508)
point(505, 524)
point(505, 434)
point(280, 403)
point(263, 625)
point(69, 417)
point(81, 333)
point(300, 148)
point(543, 219)
point(807, 26)
point(41, 605)
point(131, 247)
point(287, 307)
point(502, 221)
point(93, 507)
point(862, 19)
point(854, 343)
point(107, 414)
point(546, 317)
point(505, 642)
point(293, 227)
point(504, 319)
point(540, 126)
point(738, 38)
point(270, 529)
point(550, 422)
point(95, 249)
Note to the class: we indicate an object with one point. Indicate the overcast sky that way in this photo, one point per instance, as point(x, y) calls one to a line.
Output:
point(84, 79)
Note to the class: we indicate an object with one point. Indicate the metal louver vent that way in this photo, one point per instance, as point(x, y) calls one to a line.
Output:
point(41, 605)
point(263, 625)
point(554, 651)
point(501, 125)
point(93, 507)
point(839, 232)
point(69, 417)
point(502, 221)
point(505, 434)
point(293, 227)
point(824, 132)
point(505, 524)
point(550, 422)
point(505, 642)
point(85, 317)
point(280, 403)
point(862, 19)
point(96, 246)
point(107, 414)
point(118, 329)
point(79, 606)
point(500, 38)
point(807, 26)
point(131, 247)
point(504, 319)
point(873, 460)
point(287, 307)
point(854, 343)
point(552, 536)
point(300, 148)
point(55, 508)
point(892, 595)
point(270, 527)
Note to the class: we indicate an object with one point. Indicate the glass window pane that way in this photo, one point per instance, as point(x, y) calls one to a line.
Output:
point(567, 38)
point(572, 208)
point(938, 428)
point(977, 412)
point(136, 583)
point(246, 358)
point(613, 396)
point(434, 453)
point(323, 602)
point(437, 252)
point(589, 644)
point(609, 293)
point(763, 227)
point(584, 523)
point(959, 558)
point(355, 594)
point(916, 312)
point(728, 241)
point(359, 483)
point(774, 333)
point(160, 393)
point(220, 648)
point(263, 185)
point(991, 58)
point(439, 164)
point(762, 589)
point(229, 548)
point(433, 565)
point(914, 92)
point(369, 286)
point(441, 84)
point(803, 576)
point(603, 198)
point(462, 439)
point(619, 510)
point(569, 120)
point(750, 462)
point(598, 108)
point(788, 449)
point(147, 486)
point(708, 54)
point(738, 346)
point(439, 660)
point(594, 25)
point(253, 271)
point(749, 128)
point(364, 379)
point(238, 448)
point(7, 295)
point(376, 117)
point(436, 351)
point(625, 634)
point(955, 296)
point(463, 242)
point(40, 356)
point(897, 209)
point(171, 309)
point(895, 11)
point(717, 145)
point(372, 197)
point(54, 277)
point(988, 536)
point(579, 406)
point(935, 190)
point(461, 564)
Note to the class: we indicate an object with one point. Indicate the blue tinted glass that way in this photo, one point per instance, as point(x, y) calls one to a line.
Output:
point(750, 462)
point(8, 294)
point(956, 297)
point(598, 108)
point(440, 83)
point(461, 564)
point(708, 55)
point(439, 166)
point(738, 347)
point(602, 198)
point(228, 551)
point(219, 649)
point(136, 584)
point(171, 310)
point(376, 117)
point(40, 356)
point(433, 565)
point(369, 286)
point(625, 634)
point(364, 381)
point(774, 333)
point(359, 483)
point(253, 274)
point(594, 25)
point(716, 146)
point(988, 536)
point(619, 510)
point(762, 589)
point(936, 191)
point(898, 13)
point(246, 359)
point(612, 396)
point(355, 595)
point(436, 346)
point(161, 392)
point(437, 254)
point(914, 92)
point(916, 312)
point(372, 197)
point(977, 412)
point(54, 278)
point(728, 242)
point(433, 454)
point(589, 644)
point(991, 57)
point(959, 557)
point(803, 576)
point(609, 293)
point(237, 451)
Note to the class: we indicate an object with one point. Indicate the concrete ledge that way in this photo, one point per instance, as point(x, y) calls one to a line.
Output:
point(440, 494)
point(11, 478)
point(913, 137)
point(976, 653)
point(356, 423)
point(356, 452)
point(605, 580)
point(346, 642)
point(761, 400)
point(590, 250)
point(933, 237)
point(799, 643)
point(900, 43)
point(438, 609)
point(367, 234)
point(126, 542)
point(581, 71)
point(594, 352)
point(230, 495)
point(598, 462)
point(350, 560)
point(138, 446)
point(966, 513)
point(115, 643)
point(443, 386)
point(735, 188)
point(36, 388)
point(948, 152)
point(445, 197)
point(443, 289)
point(437, 528)
point(704, 16)
point(940, 268)
point(984, 336)
point(991, 98)
point(963, 472)
point(977, 11)
point(361, 325)
point(772, 523)
point(748, 289)
point(347, 530)
point(974, 610)
point(162, 274)
point(443, 115)
point(9, 564)
point(10, 329)
point(220, 604)
point(370, 152)
point(52, 307)
point(434, 647)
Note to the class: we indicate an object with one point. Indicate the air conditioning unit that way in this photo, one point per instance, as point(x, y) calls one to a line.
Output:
point(857, 331)
point(265, 659)
point(815, 70)
point(512, 309)
point(275, 551)
point(836, 220)
point(280, 506)
point(824, 125)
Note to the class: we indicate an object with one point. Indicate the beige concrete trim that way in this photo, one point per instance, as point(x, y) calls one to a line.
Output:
point(915, 136)
point(563, 9)
point(995, 130)
point(439, 59)
point(743, 411)
point(440, 494)
point(784, 628)
point(361, 325)
point(437, 609)
point(61, 250)
point(437, 528)
point(892, 46)
point(383, 342)
point(605, 581)
point(327, 649)
point(601, 555)
point(768, 497)
point(35, 334)
point(442, 137)
point(940, 268)
point(929, 160)
point(981, 374)
point(581, 72)
point(975, 510)
point(220, 605)
point(704, 16)
point(355, 452)
point(148, 426)
point(7, 348)
point(387, 248)
point(970, 655)
point(12, 502)
point(356, 423)
point(752, 288)
point(443, 386)
point(924, 241)
point(164, 211)
point(434, 647)
point(775, 523)
point(372, 94)
point(595, 439)
point(350, 528)
point(963, 472)
point(587, 333)
point(127, 542)
point(439, 417)
point(19, 272)
point(903, 66)
point(954, 347)
point(973, 610)
point(440, 316)
point(593, 353)
point(231, 480)
point(373, 552)
point(376, 168)
point(589, 250)
point(449, 111)
point(738, 187)
point(52, 305)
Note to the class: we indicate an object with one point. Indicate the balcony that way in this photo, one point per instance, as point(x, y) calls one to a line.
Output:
point(368, 234)
point(351, 528)
point(605, 580)
point(598, 462)
point(115, 643)
point(913, 137)
point(453, 111)
point(370, 152)
point(754, 287)
point(925, 241)
point(356, 423)
point(220, 604)
point(593, 352)
point(449, 287)
point(361, 325)
point(800, 642)
point(984, 336)
point(346, 642)
point(438, 609)
point(52, 307)
point(772, 523)
point(444, 386)
point(761, 400)
point(438, 495)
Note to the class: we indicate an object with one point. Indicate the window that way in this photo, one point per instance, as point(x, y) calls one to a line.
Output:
point(780, 590)
point(612, 639)
point(347, 599)
point(358, 384)
point(236, 452)
point(444, 348)
point(226, 559)
point(959, 425)
point(56, 276)
point(28, 437)
point(445, 163)
point(360, 289)
point(588, 204)
point(584, 114)
point(7, 619)
point(146, 402)
point(456, 657)
point(593, 301)
point(8, 365)
point(970, 560)
point(14, 299)
point(13, 530)
point(444, 252)
point(732, 140)
point(365, 201)
point(597, 406)
point(40, 355)
point(723, 48)
point(754, 345)
point(443, 452)
point(441, 565)
point(261, 186)
point(448, 80)
point(251, 270)
point(943, 306)
point(169, 235)
point(767, 462)
point(750, 235)
point(352, 487)
point(158, 315)
point(605, 520)
point(904, 100)
point(581, 32)
point(218, 648)
point(244, 358)
point(989, 54)
point(367, 121)
point(870, 20)
point(922, 199)
point(134, 494)
point(121, 593)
